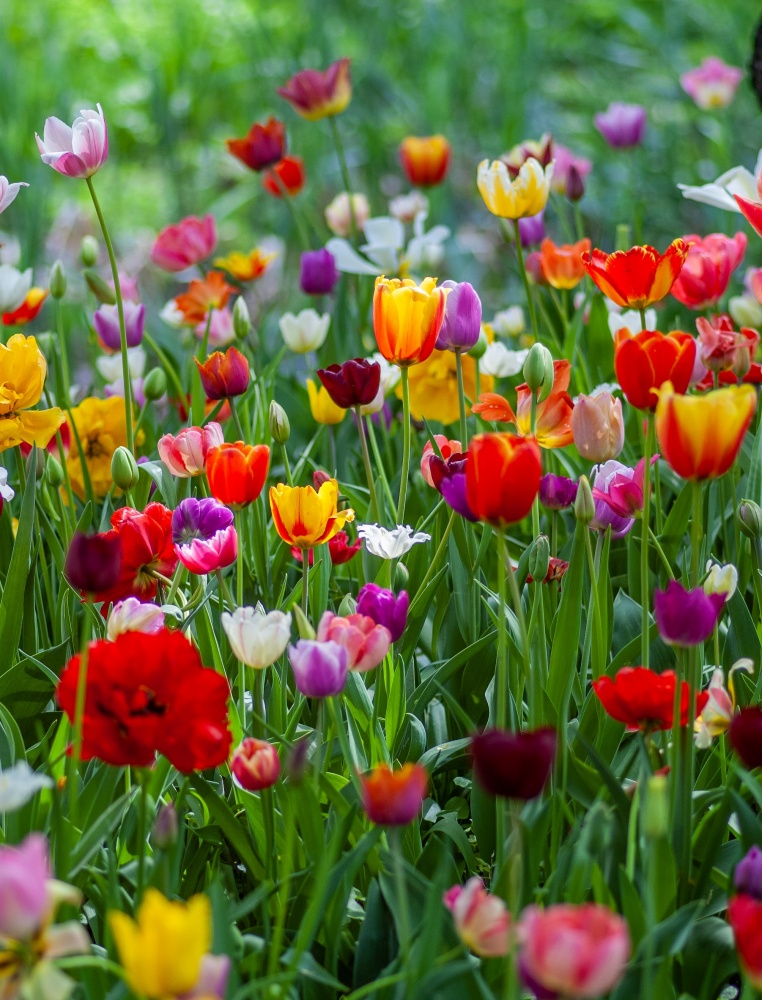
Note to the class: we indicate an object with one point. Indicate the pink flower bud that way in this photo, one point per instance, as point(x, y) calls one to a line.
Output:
point(255, 765)
point(481, 920)
point(598, 427)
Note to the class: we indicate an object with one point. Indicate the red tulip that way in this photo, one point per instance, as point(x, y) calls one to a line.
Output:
point(643, 699)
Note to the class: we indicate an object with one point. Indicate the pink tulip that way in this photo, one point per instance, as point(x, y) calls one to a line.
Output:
point(207, 555)
point(447, 449)
point(78, 150)
point(598, 426)
point(713, 84)
point(481, 919)
point(186, 243)
point(185, 454)
point(221, 331)
point(577, 952)
point(255, 764)
point(24, 899)
point(366, 642)
point(9, 191)
point(705, 275)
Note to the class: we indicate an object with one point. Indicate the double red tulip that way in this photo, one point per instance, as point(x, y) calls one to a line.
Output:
point(224, 375)
point(355, 383)
point(503, 475)
point(636, 278)
point(146, 548)
point(643, 699)
point(645, 361)
point(262, 146)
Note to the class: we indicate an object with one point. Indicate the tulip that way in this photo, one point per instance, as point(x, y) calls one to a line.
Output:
point(577, 952)
point(747, 878)
point(320, 668)
point(557, 492)
point(643, 699)
point(500, 362)
point(366, 642)
point(106, 323)
point(24, 891)
point(448, 477)
point(7, 493)
point(406, 207)
point(713, 84)
point(8, 192)
point(305, 332)
point(745, 734)
point(636, 278)
point(212, 292)
point(304, 517)
point(513, 765)
point(93, 561)
point(184, 244)
point(204, 536)
point(646, 361)
point(598, 426)
point(622, 125)
point(28, 310)
point(526, 195)
point(530, 149)
point(509, 322)
point(502, 477)
point(237, 472)
point(221, 327)
point(745, 917)
point(186, 453)
point(562, 265)
point(287, 175)
point(564, 162)
point(224, 375)
point(132, 615)
point(721, 348)
point(339, 549)
point(481, 919)
point(354, 383)
point(246, 266)
point(256, 638)
point(255, 765)
point(446, 448)
point(318, 273)
point(686, 617)
point(14, 287)
point(407, 318)
point(532, 230)
point(392, 544)
point(338, 214)
point(553, 415)
point(262, 146)
point(314, 94)
point(700, 436)
point(394, 798)
point(623, 487)
point(384, 608)
point(19, 784)
point(719, 711)
point(322, 407)
point(79, 150)
point(721, 579)
point(708, 266)
point(425, 160)
point(462, 319)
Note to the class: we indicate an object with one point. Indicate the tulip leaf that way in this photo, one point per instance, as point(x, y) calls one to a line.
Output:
point(12, 603)
point(565, 647)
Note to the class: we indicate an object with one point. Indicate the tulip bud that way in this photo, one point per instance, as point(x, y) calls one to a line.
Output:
point(747, 877)
point(538, 371)
point(655, 815)
point(57, 281)
point(296, 763)
point(255, 765)
point(347, 607)
point(88, 251)
point(749, 518)
point(241, 318)
point(401, 576)
point(741, 361)
point(623, 237)
point(539, 558)
point(575, 185)
point(480, 347)
point(584, 505)
point(745, 310)
point(166, 827)
point(124, 469)
point(103, 292)
point(318, 478)
point(303, 627)
point(598, 426)
point(280, 428)
point(54, 472)
point(155, 384)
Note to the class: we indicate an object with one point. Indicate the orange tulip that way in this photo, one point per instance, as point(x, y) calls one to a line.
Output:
point(645, 361)
point(636, 278)
point(425, 160)
point(394, 798)
point(562, 265)
point(700, 436)
point(212, 292)
point(502, 477)
point(237, 472)
point(287, 175)
point(407, 318)
point(554, 414)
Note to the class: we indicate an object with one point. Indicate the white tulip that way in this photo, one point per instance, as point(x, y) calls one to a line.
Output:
point(6, 492)
point(110, 365)
point(9, 191)
point(14, 285)
point(630, 318)
point(720, 193)
point(257, 638)
point(509, 322)
point(305, 332)
point(500, 362)
point(721, 579)
point(390, 544)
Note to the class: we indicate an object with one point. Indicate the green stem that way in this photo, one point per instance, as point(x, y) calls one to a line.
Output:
point(295, 215)
point(434, 566)
point(660, 552)
point(461, 400)
point(642, 318)
point(405, 445)
point(286, 466)
point(525, 281)
point(344, 173)
point(501, 674)
point(167, 365)
point(645, 524)
point(598, 660)
point(696, 531)
point(373, 514)
point(305, 581)
point(142, 837)
point(79, 720)
point(398, 860)
point(128, 397)
point(236, 418)
point(379, 462)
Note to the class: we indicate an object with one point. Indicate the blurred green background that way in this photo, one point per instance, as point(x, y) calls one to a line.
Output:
point(175, 79)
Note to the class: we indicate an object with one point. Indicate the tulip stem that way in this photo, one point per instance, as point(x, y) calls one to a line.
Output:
point(642, 318)
point(286, 466)
point(525, 281)
point(434, 565)
point(295, 215)
point(501, 679)
point(645, 524)
point(696, 531)
point(236, 418)
point(398, 861)
point(344, 174)
point(379, 462)
point(305, 581)
point(461, 400)
point(373, 513)
point(79, 720)
point(126, 377)
point(405, 445)
point(64, 354)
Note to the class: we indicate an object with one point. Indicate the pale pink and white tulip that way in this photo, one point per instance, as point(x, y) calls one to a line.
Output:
point(184, 454)
point(77, 150)
point(713, 84)
point(366, 642)
point(481, 919)
point(9, 191)
point(598, 426)
point(132, 615)
point(256, 638)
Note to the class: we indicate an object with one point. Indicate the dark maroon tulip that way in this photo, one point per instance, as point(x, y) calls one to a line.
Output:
point(747, 877)
point(355, 383)
point(93, 561)
point(746, 736)
point(513, 765)
point(449, 478)
point(575, 185)
point(686, 617)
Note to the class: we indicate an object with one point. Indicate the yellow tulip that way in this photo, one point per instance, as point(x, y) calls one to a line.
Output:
point(161, 952)
point(407, 318)
point(514, 199)
point(434, 387)
point(323, 408)
point(246, 266)
point(102, 428)
point(22, 377)
point(304, 517)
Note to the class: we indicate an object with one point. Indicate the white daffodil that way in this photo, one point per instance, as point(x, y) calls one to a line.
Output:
point(720, 193)
point(392, 544)
point(19, 784)
point(256, 638)
point(385, 250)
point(500, 362)
point(304, 332)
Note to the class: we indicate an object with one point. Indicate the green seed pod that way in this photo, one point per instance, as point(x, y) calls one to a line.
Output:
point(57, 280)
point(303, 626)
point(280, 428)
point(124, 469)
point(88, 251)
point(155, 384)
point(401, 576)
point(103, 292)
point(348, 606)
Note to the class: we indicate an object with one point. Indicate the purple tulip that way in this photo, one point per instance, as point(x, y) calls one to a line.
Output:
point(622, 125)
point(748, 874)
point(204, 535)
point(605, 515)
point(384, 608)
point(318, 272)
point(320, 668)
point(686, 617)
point(463, 318)
point(557, 492)
point(106, 323)
point(532, 229)
point(624, 489)
point(449, 478)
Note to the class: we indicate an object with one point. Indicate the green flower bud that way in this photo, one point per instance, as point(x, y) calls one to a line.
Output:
point(124, 469)
point(103, 292)
point(749, 518)
point(584, 505)
point(401, 576)
point(54, 472)
point(655, 808)
point(241, 318)
point(280, 428)
point(538, 371)
point(88, 251)
point(303, 627)
point(539, 558)
point(480, 347)
point(348, 606)
point(57, 280)
point(155, 384)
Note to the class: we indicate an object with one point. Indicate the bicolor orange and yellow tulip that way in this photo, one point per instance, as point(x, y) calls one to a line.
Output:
point(305, 517)
point(407, 318)
point(636, 278)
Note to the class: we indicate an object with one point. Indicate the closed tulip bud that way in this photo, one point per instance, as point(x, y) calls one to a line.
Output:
point(575, 185)
point(538, 371)
point(303, 626)
point(54, 472)
point(88, 251)
point(584, 505)
point(745, 311)
point(655, 816)
point(401, 576)
point(747, 877)
point(255, 765)
point(103, 292)
point(280, 428)
point(241, 318)
point(155, 384)
point(749, 518)
point(598, 427)
point(124, 469)
point(480, 347)
point(57, 280)
point(348, 606)
point(166, 827)
point(539, 558)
